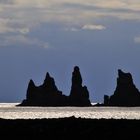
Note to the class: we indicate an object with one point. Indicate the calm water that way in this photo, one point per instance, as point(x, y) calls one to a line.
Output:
point(9, 111)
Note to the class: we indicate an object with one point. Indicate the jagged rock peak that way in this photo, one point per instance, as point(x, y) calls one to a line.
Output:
point(31, 83)
point(49, 82)
point(76, 77)
point(47, 77)
point(79, 95)
point(76, 68)
point(47, 94)
point(125, 94)
point(121, 73)
point(124, 77)
point(30, 89)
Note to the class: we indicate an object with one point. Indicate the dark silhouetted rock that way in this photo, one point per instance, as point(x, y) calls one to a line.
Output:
point(45, 95)
point(48, 94)
point(106, 99)
point(79, 95)
point(126, 94)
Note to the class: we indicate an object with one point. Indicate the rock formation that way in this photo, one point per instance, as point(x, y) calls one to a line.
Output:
point(45, 95)
point(48, 94)
point(79, 94)
point(126, 94)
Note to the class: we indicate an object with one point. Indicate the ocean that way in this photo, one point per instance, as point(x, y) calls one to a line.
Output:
point(11, 111)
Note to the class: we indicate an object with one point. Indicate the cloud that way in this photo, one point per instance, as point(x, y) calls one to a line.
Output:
point(93, 27)
point(16, 40)
point(21, 17)
point(137, 39)
point(24, 30)
point(86, 27)
point(34, 12)
point(6, 1)
point(127, 4)
point(22, 40)
point(72, 29)
point(45, 45)
point(8, 26)
point(29, 14)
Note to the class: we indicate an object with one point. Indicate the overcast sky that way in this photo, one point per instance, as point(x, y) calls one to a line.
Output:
point(39, 36)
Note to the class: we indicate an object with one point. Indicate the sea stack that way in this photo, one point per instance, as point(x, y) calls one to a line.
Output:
point(45, 95)
point(125, 94)
point(48, 94)
point(79, 95)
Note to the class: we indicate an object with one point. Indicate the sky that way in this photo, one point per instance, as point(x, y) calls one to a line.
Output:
point(39, 36)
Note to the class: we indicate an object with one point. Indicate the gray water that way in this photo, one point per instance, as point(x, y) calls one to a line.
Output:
point(10, 111)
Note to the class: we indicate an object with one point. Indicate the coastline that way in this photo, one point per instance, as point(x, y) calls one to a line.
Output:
point(70, 127)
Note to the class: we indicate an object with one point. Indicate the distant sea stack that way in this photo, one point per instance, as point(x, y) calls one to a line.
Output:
point(79, 94)
point(125, 94)
point(48, 94)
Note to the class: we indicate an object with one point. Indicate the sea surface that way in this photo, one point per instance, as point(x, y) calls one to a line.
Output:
point(11, 111)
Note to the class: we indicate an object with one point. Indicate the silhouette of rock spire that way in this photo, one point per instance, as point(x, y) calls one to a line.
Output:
point(124, 78)
point(49, 83)
point(79, 95)
point(31, 83)
point(30, 90)
point(76, 77)
point(125, 94)
point(47, 94)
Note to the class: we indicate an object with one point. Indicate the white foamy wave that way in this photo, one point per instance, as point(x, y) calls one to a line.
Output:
point(11, 111)
point(8, 104)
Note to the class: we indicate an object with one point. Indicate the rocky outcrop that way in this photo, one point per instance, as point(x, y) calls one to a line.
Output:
point(79, 94)
point(48, 94)
point(125, 94)
point(45, 95)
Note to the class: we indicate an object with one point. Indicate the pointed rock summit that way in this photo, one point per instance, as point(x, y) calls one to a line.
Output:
point(79, 94)
point(30, 90)
point(49, 84)
point(125, 94)
point(48, 94)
